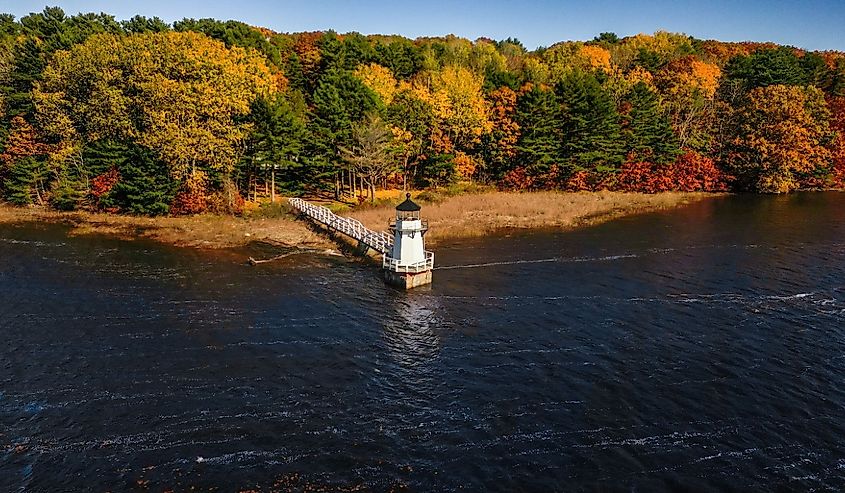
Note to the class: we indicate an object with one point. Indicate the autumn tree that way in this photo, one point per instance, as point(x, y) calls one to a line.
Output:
point(22, 172)
point(457, 99)
point(370, 153)
point(563, 58)
point(651, 51)
point(688, 87)
point(379, 79)
point(782, 134)
point(500, 145)
point(182, 95)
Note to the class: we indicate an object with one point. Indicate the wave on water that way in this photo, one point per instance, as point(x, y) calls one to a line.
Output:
point(538, 261)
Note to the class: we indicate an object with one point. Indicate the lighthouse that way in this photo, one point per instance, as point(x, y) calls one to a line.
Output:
point(408, 264)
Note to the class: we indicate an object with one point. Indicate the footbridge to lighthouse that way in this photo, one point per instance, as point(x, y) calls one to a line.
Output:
point(377, 240)
point(404, 257)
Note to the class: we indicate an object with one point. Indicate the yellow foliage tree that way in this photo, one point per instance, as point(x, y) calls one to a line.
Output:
point(465, 166)
point(664, 45)
point(457, 98)
point(595, 56)
point(179, 94)
point(565, 57)
point(379, 79)
point(688, 74)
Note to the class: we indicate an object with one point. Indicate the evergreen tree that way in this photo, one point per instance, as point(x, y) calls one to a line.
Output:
point(411, 113)
point(22, 181)
point(340, 100)
point(437, 170)
point(145, 186)
point(100, 156)
point(26, 70)
point(232, 33)
point(401, 56)
point(647, 132)
point(538, 116)
point(816, 71)
point(140, 24)
point(495, 78)
point(357, 50)
point(607, 38)
point(779, 66)
point(590, 127)
point(276, 142)
point(331, 53)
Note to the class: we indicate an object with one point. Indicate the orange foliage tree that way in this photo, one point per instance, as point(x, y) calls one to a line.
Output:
point(22, 142)
point(500, 146)
point(688, 87)
point(783, 133)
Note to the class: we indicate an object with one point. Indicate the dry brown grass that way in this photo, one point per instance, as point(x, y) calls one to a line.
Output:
point(480, 214)
point(455, 217)
point(204, 231)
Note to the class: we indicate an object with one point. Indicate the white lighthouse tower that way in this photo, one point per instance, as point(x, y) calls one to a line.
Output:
point(408, 265)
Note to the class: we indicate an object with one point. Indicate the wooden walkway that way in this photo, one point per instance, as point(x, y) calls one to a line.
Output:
point(377, 240)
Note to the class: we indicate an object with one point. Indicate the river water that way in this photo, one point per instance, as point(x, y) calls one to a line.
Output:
point(696, 349)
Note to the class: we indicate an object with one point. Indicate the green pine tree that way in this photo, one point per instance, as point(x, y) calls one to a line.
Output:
point(767, 68)
point(538, 116)
point(340, 101)
point(276, 141)
point(437, 170)
point(647, 132)
point(145, 185)
point(590, 124)
point(22, 181)
point(26, 70)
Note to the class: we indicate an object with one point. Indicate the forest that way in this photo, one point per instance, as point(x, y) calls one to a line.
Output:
point(144, 117)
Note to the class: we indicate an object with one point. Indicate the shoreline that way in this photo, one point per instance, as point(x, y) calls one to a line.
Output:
point(460, 216)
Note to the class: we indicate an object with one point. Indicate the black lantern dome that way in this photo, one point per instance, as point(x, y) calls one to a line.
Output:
point(408, 210)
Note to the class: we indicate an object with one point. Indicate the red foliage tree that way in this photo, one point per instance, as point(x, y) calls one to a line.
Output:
point(103, 184)
point(192, 198)
point(691, 172)
point(517, 179)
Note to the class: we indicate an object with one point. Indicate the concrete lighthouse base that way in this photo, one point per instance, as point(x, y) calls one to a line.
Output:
point(407, 280)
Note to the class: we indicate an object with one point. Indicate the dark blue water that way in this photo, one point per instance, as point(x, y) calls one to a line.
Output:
point(700, 349)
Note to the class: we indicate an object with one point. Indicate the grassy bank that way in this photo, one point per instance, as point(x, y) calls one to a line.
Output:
point(451, 217)
point(480, 214)
point(203, 231)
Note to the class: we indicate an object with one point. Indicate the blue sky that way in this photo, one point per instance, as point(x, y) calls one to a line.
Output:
point(811, 24)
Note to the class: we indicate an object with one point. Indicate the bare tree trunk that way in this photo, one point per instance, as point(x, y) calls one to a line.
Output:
point(273, 184)
point(337, 186)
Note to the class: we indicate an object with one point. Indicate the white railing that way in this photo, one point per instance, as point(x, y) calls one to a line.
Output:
point(393, 264)
point(377, 240)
